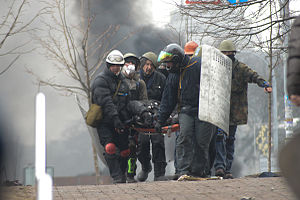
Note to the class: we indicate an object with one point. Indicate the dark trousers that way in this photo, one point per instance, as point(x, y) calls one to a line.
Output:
point(116, 163)
point(158, 153)
point(192, 145)
point(211, 153)
point(131, 165)
point(225, 150)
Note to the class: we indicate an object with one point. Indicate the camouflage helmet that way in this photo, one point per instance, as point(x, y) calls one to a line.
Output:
point(227, 45)
point(152, 57)
point(128, 56)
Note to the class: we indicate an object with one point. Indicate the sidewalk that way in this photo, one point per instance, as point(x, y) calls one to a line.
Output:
point(234, 189)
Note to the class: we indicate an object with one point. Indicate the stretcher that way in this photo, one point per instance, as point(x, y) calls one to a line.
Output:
point(165, 130)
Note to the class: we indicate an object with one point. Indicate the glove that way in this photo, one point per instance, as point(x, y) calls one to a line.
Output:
point(147, 119)
point(158, 127)
point(119, 126)
point(267, 87)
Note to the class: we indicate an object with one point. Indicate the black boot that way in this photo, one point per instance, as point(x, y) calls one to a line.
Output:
point(113, 163)
point(143, 175)
point(119, 179)
point(159, 171)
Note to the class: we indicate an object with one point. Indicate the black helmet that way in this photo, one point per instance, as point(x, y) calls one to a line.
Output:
point(171, 53)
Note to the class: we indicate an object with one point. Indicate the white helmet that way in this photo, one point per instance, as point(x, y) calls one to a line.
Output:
point(115, 57)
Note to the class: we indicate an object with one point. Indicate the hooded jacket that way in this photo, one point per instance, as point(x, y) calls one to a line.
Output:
point(155, 84)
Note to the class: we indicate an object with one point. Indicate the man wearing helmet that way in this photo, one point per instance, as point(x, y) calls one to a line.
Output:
point(138, 91)
point(137, 86)
point(241, 76)
point(110, 91)
point(182, 89)
point(155, 82)
point(190, 47)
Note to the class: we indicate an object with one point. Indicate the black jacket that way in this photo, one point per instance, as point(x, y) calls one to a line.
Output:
point(187, 89)
point(155, 84)
point(103, 89)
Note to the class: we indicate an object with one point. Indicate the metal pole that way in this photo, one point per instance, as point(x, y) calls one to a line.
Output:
point(40, 136)
point(44, 181)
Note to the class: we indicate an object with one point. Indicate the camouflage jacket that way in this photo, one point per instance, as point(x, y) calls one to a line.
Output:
point(241, 76)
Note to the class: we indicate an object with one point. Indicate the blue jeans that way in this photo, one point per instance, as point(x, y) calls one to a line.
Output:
point(225, 149)
point(192, 145)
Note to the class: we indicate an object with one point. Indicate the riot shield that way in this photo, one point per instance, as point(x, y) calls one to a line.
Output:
point(215, 87)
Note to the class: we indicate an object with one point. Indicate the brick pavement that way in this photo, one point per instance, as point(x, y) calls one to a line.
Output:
point(247, 188)
point(236, 189)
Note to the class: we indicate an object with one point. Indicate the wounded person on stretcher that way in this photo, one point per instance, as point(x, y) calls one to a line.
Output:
point(144, 114)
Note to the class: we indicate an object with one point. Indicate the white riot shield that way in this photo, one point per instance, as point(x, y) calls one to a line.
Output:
point(215, 87)
point(94, 135)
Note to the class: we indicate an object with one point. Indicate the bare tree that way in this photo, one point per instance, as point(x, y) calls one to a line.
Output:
point(247, 22)
point(75, 51)
point(13, 23)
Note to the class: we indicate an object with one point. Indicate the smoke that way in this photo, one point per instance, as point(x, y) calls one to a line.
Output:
point(133, 17)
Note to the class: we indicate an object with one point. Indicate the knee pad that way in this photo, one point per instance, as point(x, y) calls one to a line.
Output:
point(110, 148)
point(125, 153)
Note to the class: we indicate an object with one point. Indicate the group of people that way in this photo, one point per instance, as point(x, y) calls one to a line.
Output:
point(128, 78)
point(173, 79)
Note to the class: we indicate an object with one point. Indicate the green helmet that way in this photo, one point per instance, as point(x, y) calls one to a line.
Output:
point(227, 45)
point(152, 57)
point(127, 55)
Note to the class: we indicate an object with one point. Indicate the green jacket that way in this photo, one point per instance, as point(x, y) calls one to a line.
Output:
point(241, 76)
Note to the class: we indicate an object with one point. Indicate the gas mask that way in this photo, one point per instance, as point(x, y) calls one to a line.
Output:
point(129, 69)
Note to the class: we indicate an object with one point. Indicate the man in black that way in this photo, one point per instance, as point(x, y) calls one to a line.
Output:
point(155, 82)
point(182, 89)
point(110, 91)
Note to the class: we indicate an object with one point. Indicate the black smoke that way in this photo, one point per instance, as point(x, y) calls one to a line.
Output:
point(133, 17)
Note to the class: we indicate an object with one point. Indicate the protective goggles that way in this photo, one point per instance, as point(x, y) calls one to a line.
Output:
point(115, 58)
point(164, 57)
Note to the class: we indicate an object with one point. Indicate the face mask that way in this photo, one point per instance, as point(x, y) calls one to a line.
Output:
point(231, 56)
point(130, 69)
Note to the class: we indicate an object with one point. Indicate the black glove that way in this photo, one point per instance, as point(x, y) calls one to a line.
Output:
point(158, 127)
point(119, 126)
point(147, 119)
